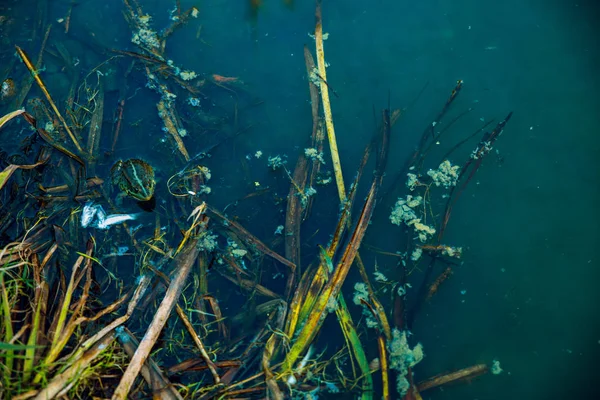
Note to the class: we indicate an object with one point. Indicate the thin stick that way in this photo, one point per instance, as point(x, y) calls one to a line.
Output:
point(314, 320)
point(27, 82)
point(273, 391)
point(216, 310)
point(162, 389)
point(335, 157)
point(249, 238)
point(185, 260)
point(96, 128)
point(169, 122)
point(211, 365)
point(314, 91)
point(456, 376)
point(68, 17)
point(40, 83)
point(120, 109)
point(385, 383)
point(293, 218)
point(139, 292)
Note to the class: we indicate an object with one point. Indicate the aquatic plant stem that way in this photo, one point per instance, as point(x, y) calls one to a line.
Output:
point(95, 131)
point(205, 356)
point(74, 371)
point(117, 130)
point(185, 260)
point(383, 362)
point(10, 169)
point(27, 82)
point(5, 314)
point(353, 343)
point(10, 116)
point(335, 157)
point(162, 389)
point(164, 111)
point(36, 76)
point(465, 374)
point(314, 320)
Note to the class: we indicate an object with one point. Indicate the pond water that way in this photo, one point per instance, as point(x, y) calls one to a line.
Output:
point(523, 293)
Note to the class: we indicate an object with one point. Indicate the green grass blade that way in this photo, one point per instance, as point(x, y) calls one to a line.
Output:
point(356, 347)
point(8, 331)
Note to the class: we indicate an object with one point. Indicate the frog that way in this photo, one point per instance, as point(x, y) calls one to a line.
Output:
point(135, 178)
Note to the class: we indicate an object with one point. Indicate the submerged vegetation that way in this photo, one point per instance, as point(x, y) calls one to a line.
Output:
point(181, 298)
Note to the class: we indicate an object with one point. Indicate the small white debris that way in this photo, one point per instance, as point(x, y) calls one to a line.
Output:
point(114, 219)
point(94, 215)
point(188, 75)
point(121, 250)
point(49, 127)
point(416, 254)
point(204, 189)
point(380, 277)
point(496, 369)
point(446, 175)
point(207, 241)
point(325, 36)
point(314, 154)
point(401, 290)
point(412, 181)
point(276, 162)
point(310, 191)
point(239, 253)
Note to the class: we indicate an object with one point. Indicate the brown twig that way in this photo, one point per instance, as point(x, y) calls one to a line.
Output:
point(184, 261)
point(42, 86)
point(117, 130)
point(95, 129)
point(453, 377)
point(188, 325)
point(161, 387)
point(482, 150)
point(249, 238)
point(293, 218)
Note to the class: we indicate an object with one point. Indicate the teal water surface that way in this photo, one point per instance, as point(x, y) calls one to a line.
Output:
point(525, 292)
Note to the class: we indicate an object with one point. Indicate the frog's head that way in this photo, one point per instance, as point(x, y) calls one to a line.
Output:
point(135, 178)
